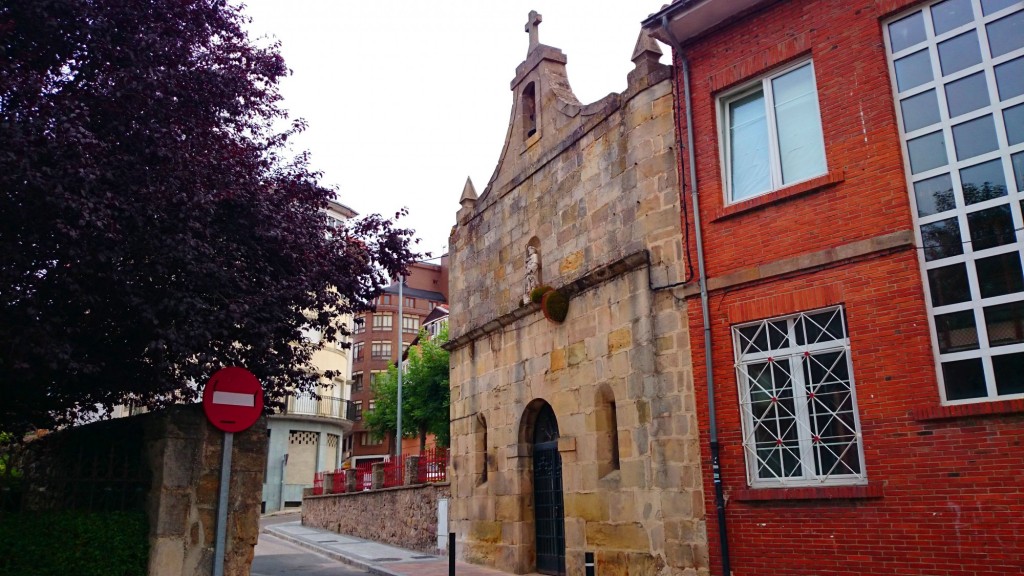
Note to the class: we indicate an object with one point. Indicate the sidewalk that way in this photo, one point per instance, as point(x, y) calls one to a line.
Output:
point(372, 556)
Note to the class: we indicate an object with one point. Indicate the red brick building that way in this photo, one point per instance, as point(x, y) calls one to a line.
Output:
point(375, 345)
point(859, 169)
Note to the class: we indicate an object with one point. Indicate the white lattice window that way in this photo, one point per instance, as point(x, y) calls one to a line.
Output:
point(797, 399)
point(957, 71)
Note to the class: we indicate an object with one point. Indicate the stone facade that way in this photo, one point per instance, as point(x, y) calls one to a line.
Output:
point(405, 516)
point(185, 456)
point(594, 189)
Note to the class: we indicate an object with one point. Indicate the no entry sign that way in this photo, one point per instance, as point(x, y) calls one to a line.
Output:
point(233, 399)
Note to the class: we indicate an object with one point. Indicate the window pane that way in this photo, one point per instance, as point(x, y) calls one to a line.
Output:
point(913, 70)
point(920, 111)
point(998, 275)
point(748, 136)
point(906, 32)
point(927, 152)
point(1010, 78)
point(1014, 120)
point(951, 14)
point(991, 227)
point(966, 94)
point(821, 327)
point(830, 408)
point(975, 137)
point(983, 182)
point(941, 239)
point(956, 331)
point(964, 379)
point(959, 52)
point(1004, 35)
point(948, 285)
point(798, 124)
point(934, 195)
point(1005, 323)
point(1009, 370)
point(778, 334)
point(991, 6)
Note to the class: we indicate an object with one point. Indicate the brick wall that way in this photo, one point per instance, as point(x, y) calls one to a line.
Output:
point(405, 516)
point(945, 492)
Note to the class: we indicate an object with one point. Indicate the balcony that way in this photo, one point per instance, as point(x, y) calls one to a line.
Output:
point(324, 407)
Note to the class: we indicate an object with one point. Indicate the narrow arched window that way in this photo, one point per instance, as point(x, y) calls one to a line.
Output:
point(529, 111)
point(480, 449)
point(607, 432)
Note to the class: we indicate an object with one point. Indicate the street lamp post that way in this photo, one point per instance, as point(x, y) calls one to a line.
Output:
point(401, 346)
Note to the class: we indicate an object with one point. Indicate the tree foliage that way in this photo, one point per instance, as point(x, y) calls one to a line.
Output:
point(153, 226)
point(425, 394)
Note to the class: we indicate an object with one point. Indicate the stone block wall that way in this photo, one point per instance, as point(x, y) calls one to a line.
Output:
point(178, 477)
point(405, 516)
point(184, 452)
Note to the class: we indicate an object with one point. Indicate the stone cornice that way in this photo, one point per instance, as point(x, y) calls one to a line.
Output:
point(588, 280)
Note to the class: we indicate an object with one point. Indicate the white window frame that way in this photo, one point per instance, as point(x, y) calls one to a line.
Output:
point(791, 358)
point(975, 304)
point(725, 143)
point(381, 345)
point(410, 324)
point(383, 321)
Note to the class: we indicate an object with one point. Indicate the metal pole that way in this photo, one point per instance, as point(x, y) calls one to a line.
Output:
point(401, 347)
point(451, 554)
point(222, 504)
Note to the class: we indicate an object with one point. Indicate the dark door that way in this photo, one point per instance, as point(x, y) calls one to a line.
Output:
point(547, 495)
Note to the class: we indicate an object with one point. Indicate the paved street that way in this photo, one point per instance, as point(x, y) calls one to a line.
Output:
point(275, 557)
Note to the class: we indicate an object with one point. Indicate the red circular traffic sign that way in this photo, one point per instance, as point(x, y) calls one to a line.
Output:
point(233, 399)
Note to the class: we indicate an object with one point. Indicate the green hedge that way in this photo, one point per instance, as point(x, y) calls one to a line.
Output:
point(74, 544)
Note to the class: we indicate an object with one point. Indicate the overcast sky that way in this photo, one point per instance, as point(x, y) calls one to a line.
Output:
point(405, 99)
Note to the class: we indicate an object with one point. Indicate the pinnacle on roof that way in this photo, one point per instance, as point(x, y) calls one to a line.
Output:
point(468, 192)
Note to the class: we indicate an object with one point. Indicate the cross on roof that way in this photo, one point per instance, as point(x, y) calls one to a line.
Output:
point(531, 26)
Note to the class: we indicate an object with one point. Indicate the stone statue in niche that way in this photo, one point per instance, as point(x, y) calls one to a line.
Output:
point(532, 279)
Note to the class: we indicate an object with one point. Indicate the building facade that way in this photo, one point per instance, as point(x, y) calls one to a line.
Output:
point(859, 169)
point(308, 435)
point(579, 436)
point(379, 339)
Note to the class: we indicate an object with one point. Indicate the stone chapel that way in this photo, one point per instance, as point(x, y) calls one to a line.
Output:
point(576, 440)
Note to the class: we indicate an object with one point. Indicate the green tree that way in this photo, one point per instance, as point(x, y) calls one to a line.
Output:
point(425, 394)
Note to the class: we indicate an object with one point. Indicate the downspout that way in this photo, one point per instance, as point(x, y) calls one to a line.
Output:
point(716, 468)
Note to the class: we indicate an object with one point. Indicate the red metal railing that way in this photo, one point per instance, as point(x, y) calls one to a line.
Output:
point(433, 466)
point(364, 476)
point(318, 484)
point(338, 487)
point(394, 473)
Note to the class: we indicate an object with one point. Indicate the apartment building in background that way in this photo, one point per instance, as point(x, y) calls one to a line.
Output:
point(379, 339)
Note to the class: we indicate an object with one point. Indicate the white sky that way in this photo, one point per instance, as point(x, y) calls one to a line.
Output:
point(405, 99)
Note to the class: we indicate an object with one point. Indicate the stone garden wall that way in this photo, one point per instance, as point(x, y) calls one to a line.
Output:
point(404, 516)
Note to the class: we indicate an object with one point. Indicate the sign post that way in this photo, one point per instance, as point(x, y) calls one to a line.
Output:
point(232, 401)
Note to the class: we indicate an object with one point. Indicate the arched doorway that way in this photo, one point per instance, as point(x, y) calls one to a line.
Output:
point(547, 494)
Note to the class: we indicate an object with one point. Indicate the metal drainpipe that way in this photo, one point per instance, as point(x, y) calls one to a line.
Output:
point(705, 312)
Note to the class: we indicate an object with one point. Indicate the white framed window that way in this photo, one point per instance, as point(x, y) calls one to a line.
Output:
point(359, 325)
point(797, 401)
point(380, 350)
point(771, 133)
point(382, 321)
point(357, 382)
point(957, 73)
point(410, 324)
point(357, 351)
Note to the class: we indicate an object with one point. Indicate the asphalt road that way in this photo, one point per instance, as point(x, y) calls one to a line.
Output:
point(275, 557)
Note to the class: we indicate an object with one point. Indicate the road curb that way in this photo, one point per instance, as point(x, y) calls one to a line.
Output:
point(369, 567)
